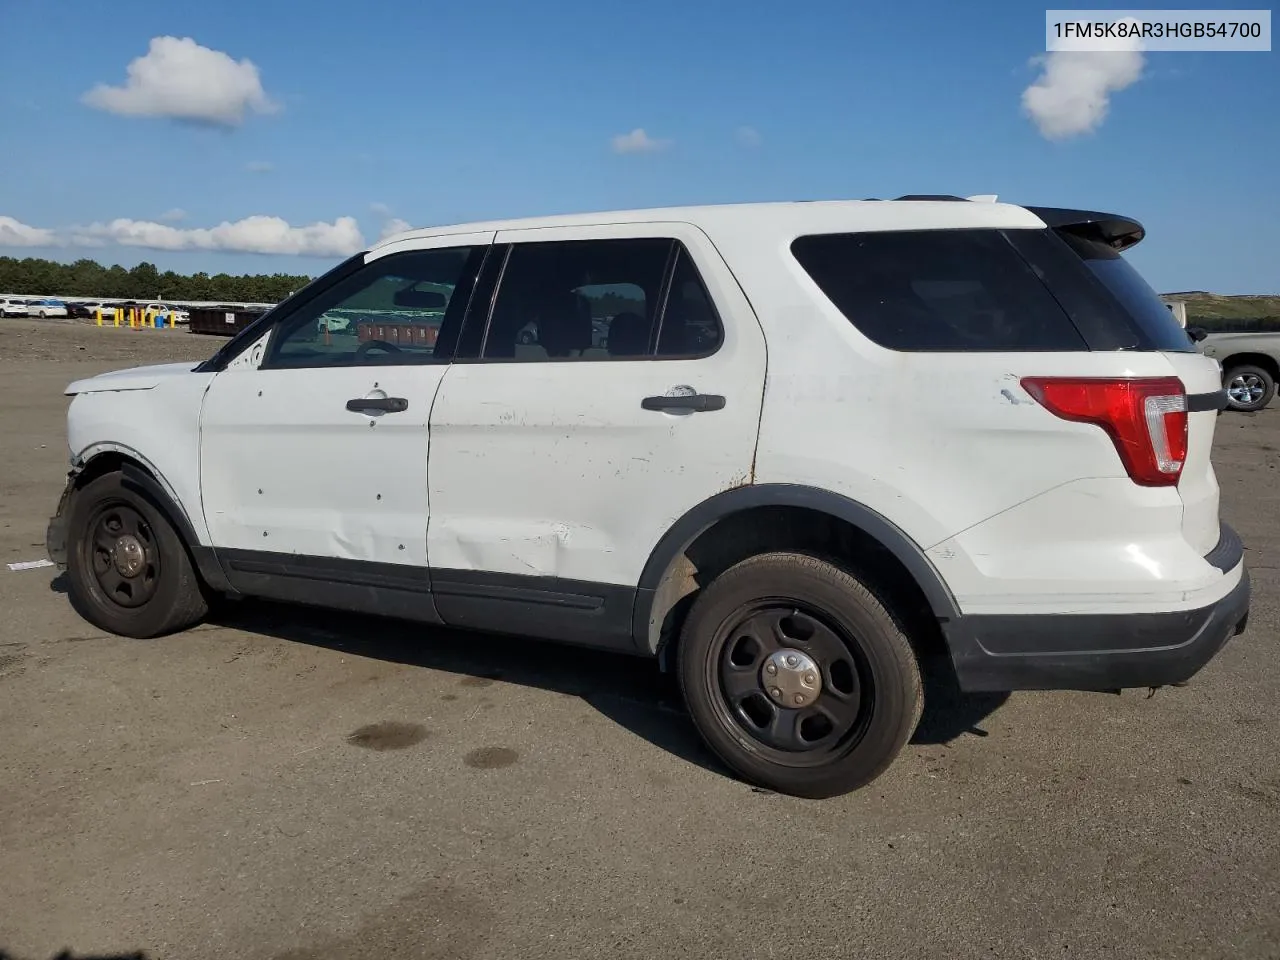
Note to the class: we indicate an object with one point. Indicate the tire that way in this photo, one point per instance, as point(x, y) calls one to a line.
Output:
point(1249, 388)
point(146, 587)
point(758, 616)
point(43, 315)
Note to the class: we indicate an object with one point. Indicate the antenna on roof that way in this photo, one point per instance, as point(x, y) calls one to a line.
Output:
point(983, 198)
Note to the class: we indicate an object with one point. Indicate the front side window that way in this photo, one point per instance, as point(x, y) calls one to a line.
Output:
point(578, 300)
point(390, 311)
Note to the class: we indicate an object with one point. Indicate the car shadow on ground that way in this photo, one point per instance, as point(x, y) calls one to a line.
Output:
point(630, 691)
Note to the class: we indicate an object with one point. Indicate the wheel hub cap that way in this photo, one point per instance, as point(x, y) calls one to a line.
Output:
point(791, 678)
point(128, 556)
point(1245, 389)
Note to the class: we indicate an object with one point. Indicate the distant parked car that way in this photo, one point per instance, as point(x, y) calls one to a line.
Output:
point(44, 309)
point(12, 307)
point(1250, 365)
point(177, 315)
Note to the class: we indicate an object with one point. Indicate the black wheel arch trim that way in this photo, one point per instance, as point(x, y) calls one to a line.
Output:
point(138, 479)
point(707, 513)
point(1229, 550)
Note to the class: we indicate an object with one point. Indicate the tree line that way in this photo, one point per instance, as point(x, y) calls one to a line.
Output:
point(88, 278)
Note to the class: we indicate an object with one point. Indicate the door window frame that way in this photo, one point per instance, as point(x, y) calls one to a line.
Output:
point(402, 359)
point(479, 317)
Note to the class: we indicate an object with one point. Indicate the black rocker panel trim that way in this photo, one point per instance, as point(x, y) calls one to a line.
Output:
point(579, 612)
point(551, 608)
point(360, 586)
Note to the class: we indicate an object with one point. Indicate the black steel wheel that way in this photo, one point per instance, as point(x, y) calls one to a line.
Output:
point(791, 679)
point(797, 676)
point(124, 554)
point(128, 569)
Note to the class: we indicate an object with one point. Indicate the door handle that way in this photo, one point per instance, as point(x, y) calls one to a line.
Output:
point(387, 404)
point(694, 402)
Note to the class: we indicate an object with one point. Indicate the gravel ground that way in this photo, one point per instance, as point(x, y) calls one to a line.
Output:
point(293, 784)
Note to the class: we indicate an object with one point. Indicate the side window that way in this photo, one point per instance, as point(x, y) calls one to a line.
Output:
point(690, 324)
point(578, 300)
point(391, 311)
point(952, 290)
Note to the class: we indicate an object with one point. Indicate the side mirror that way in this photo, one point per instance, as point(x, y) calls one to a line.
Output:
point(420, 299)
point(1197, 333)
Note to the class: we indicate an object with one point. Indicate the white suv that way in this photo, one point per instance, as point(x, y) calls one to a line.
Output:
point(781, 447)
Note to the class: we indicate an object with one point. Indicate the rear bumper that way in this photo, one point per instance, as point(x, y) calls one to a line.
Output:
point(1094, 651)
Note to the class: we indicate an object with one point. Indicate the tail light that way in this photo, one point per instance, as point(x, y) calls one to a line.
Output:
point(1146, 418)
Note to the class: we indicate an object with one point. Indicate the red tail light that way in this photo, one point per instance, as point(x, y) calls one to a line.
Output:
point(1145, 416)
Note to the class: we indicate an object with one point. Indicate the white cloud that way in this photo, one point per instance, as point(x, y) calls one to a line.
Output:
point(15, 233)
point(259, 166)
point(174, 215)
point(179, 79)
point(251, 235)
point(393, 226)
point(748, 136)
point(637, 141)
point(380, 209)
point(1072, 95)
point(258, 234)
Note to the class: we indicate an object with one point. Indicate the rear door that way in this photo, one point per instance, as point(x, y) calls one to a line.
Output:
point(618, 384)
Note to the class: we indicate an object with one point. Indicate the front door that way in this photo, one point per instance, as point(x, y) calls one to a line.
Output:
point(320, 451)
point(618, 385)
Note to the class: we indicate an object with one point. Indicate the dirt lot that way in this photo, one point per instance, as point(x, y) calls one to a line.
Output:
point(300, 785)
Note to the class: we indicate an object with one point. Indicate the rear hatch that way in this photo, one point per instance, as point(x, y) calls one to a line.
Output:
point(1134, 317)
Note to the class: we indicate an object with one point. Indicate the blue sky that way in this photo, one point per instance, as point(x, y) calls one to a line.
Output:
point(434, 113)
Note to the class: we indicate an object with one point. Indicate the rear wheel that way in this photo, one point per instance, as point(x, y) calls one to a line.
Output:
point(128, 569)
point(797, 676)
point(1249, 387)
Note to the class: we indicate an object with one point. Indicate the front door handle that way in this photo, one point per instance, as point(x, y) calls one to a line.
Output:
point(386, 404)
point(693, 402)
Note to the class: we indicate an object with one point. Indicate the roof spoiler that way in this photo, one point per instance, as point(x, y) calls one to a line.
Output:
point(1118, 232)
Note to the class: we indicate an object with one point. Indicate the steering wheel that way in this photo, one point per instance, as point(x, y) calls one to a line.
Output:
point(378, 345)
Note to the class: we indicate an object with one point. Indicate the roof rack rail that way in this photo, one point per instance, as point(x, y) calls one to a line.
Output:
point(929, 196)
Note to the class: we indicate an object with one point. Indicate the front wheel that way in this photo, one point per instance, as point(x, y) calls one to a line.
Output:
point(797, 676)
point(128, 570)
point(1249, 388)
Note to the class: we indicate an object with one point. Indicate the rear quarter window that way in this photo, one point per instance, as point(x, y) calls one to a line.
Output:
point(937, 290)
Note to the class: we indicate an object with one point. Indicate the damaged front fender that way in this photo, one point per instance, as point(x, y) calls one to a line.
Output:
point(55, 535)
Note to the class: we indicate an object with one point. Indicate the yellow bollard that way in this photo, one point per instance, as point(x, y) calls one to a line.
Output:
point(116, 313)
point(99, 313)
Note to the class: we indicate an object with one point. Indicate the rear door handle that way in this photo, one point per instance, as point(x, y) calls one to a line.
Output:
point(387, 404)
point(694, 402)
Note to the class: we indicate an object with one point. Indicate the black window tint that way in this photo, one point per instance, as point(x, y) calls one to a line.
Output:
point(390, 311)
point(1141, 304)
point(690, 324)
point(937, 290)
point(578, 300)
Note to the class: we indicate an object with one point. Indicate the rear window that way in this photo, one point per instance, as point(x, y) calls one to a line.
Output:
point(938, 290)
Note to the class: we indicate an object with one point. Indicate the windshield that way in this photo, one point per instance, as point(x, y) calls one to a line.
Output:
point(1143, 305)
